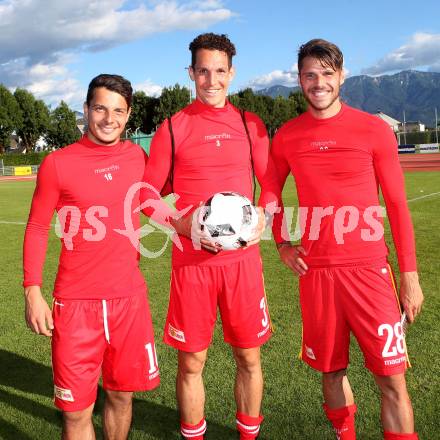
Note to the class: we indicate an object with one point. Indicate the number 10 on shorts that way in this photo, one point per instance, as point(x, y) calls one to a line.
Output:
point(152, 358)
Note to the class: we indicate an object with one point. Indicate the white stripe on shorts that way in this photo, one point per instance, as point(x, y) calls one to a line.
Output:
point(104, 311)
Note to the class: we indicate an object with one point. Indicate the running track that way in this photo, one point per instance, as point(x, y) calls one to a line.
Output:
point(9, 178)
point(420, 162)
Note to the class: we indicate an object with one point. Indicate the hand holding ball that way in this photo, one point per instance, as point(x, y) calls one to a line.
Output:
point(229, 219)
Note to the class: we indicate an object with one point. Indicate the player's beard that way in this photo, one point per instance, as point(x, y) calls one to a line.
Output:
point(335, 96)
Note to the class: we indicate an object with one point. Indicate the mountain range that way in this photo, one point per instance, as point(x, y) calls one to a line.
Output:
point(416, 93)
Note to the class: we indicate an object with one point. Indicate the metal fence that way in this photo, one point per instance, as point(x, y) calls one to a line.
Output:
point(24, 170)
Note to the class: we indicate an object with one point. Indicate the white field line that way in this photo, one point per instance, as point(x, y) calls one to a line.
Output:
point(423, 197)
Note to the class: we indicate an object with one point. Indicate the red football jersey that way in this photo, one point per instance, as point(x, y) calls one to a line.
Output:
point(87, 184)
point(338, 164)
point(212, 154)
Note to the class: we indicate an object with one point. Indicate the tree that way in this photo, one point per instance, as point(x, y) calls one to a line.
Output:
point(234, 100)
point(62, 129)
point(251, 102)
point(35, 118)
point(282, 110)
point(273, 112)
point(10, 117)
point(172, 100)
point(247, 100)
point(142, 112)
point(300, 101)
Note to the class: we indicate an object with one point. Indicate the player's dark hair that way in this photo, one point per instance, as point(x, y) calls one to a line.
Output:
point(212, 41)
point(327, 53)
point(114, 83)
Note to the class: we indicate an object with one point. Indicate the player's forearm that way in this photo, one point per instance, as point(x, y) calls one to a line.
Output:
point(153, 182)
point(280, 228)
point(270, 196)
point(151, 202)
point(266, 173)
point(154, 207)
point(411, 295)
point(283, 244)
point(44, 202)
point(391, 180)
point(409, 277)
point(156, 177)
point(32, 291)
point(34, 254)
point(403, 237)
point(183, 225)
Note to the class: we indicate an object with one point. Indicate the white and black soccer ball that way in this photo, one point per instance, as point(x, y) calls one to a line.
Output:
point(229, 219)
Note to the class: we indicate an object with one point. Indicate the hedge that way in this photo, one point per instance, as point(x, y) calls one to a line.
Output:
point(420, 137)
point(23, 159)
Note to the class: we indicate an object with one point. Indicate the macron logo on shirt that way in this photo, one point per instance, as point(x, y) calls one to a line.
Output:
point(111, 168)
point(217, 138)
point(322, 145)
point(107, 172)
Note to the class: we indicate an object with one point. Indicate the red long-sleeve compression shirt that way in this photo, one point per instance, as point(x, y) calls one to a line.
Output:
point(212, 154)
point(338, 165)
point(87, 185)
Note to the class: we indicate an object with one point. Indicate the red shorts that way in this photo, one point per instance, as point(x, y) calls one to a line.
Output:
point(237, 289)
point(113, 337)
point(362, 299)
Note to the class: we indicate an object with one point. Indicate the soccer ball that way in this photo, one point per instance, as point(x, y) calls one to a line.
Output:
point(229, 219)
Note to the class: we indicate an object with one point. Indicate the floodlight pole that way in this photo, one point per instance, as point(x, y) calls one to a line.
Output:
point(404, 127)
point(436, 127)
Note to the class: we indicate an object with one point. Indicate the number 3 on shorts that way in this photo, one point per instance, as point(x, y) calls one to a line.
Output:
point(399, 347)
point(265, 319)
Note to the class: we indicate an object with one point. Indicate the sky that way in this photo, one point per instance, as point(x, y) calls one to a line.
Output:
point(53, 48)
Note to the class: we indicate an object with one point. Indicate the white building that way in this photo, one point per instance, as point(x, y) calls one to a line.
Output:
point(413, 126)
point(393, 123)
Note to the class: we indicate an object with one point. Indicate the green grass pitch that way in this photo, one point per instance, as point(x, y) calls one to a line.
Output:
point(292, 398)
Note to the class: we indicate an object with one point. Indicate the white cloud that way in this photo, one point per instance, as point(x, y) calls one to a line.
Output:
point(206, 4)
point(37, 29)
point(49, 81)
point(149, 88)
point(421, 51)
point(288, 78)
point(36, 35)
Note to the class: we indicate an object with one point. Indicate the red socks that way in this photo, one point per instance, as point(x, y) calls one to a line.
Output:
point(342, 420)
point(193, 432)
point(248, 426)
point(398, 436)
